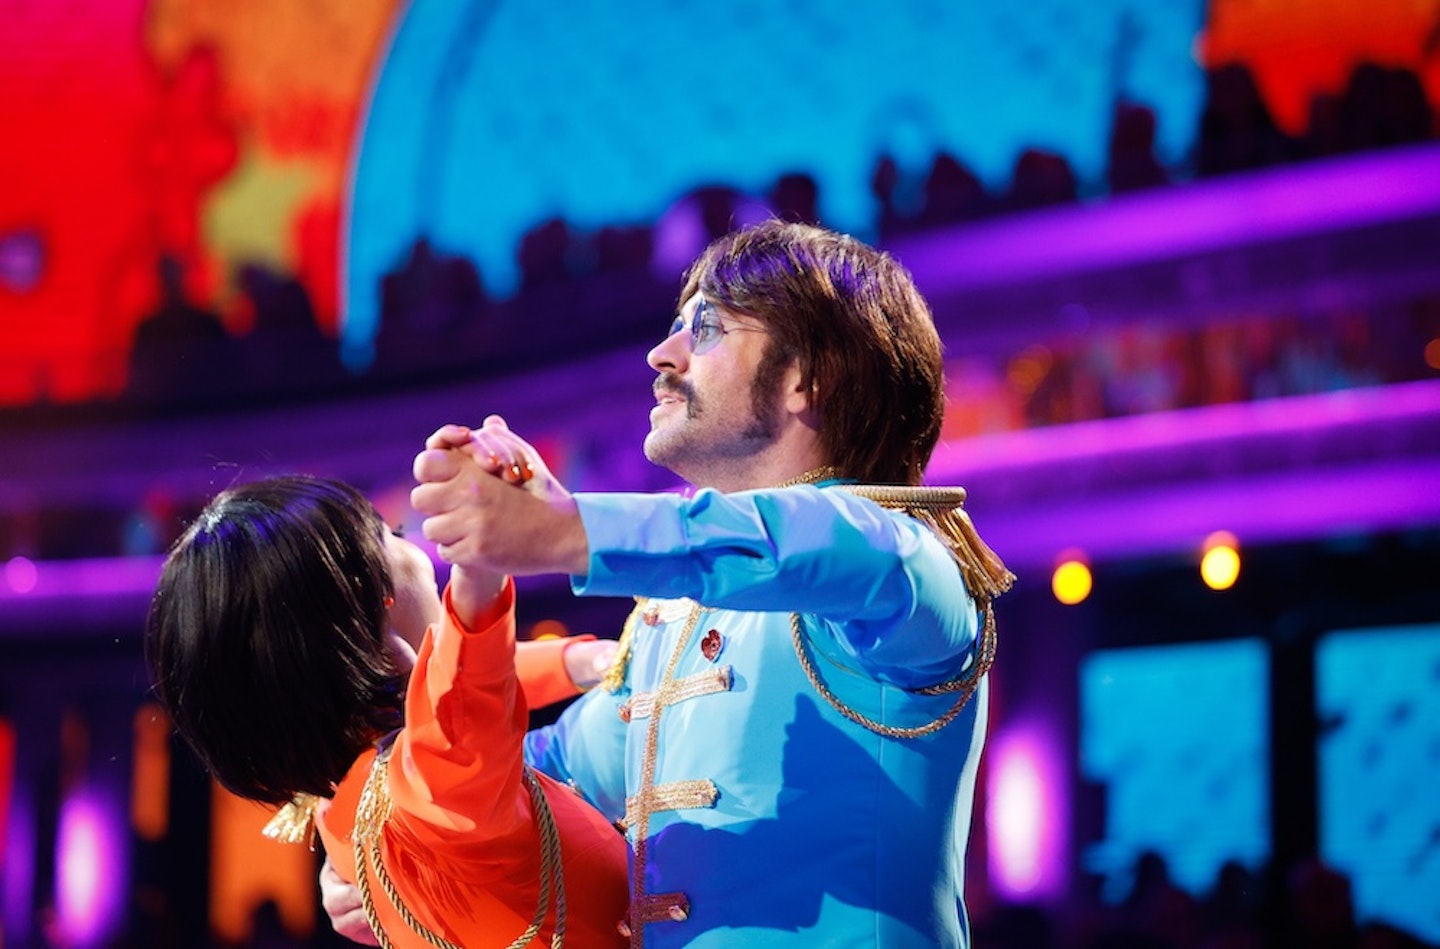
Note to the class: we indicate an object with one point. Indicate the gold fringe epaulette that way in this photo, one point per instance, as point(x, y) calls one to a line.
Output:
point(985, 577)
point(943, 511)
point(294, 823)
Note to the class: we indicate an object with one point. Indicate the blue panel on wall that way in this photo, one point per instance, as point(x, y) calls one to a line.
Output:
point(1378, 700)
point(1178, 738)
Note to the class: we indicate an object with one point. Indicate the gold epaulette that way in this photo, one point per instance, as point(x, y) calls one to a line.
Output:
point(985, 577)
point(294, 823)
point(943, 511)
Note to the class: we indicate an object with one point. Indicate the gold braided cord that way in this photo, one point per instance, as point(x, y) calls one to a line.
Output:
point(822, 473)
point(966, 685)
point(370, 816)
point(942, 509)
point(966, 682)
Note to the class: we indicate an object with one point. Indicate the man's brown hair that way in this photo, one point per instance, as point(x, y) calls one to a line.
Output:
point(862, 335)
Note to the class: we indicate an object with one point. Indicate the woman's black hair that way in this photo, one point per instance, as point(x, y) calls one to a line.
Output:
point(266, 636)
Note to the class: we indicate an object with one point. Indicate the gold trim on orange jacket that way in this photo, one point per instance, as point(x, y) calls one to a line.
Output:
point(461, 843)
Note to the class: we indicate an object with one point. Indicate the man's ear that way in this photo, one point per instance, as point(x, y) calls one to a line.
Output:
point(801, 397)
point(796, 393)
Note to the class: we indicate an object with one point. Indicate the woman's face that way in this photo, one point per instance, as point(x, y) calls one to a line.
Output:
point(417, 600)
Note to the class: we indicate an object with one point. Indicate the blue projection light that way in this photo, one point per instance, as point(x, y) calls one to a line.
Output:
point(1178, 738)
point(1377, 696)
point(489, 118)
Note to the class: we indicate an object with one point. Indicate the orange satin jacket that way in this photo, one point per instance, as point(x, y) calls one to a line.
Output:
point(461, 844)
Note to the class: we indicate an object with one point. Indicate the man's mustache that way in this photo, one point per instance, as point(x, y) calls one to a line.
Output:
point(672, 383)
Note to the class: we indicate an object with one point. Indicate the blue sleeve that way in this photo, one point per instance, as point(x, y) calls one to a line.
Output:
point(886, 585)
point(585, 748)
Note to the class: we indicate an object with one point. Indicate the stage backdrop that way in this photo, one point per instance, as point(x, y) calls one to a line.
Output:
point(182, 151)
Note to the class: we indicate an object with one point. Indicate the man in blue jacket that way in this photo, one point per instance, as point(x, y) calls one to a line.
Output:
point(791, 735)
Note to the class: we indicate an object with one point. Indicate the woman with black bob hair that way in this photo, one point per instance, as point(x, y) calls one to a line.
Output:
point(303, 651)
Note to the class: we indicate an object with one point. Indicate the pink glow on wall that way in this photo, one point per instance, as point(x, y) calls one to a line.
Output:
point(89, 878)
point(1027, 814)
point(21, 574)
point(18, 880)
point(7, 773)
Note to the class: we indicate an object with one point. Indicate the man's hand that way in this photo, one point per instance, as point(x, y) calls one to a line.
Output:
point(491, 504)
point(342, 904)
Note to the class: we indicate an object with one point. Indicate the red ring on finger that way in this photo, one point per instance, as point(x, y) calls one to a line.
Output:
point(520, 471)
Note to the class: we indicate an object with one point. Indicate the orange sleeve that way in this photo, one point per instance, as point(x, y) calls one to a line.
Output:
point(540, 664)
point(455, 775)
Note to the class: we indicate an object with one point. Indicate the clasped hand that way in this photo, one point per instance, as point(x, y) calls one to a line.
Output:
point(490, 503)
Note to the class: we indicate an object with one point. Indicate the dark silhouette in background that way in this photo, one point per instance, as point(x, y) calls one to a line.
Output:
point(1040, 179)
point(432, 310)
point(953, 194)
point(268, 929)
point(1230, 912)
point(719, 206)
point(543, 254)
point(1237, 131)
point(181, 351)
point(1133, 165)
point(795, 197)
point(285, 351)
point(1318, 909)
point(899, 197)
point(1383, 107)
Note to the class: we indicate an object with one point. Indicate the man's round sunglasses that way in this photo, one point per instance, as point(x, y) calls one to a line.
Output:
point(706, 328)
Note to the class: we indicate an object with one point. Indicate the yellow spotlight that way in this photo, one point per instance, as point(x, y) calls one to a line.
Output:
point(1220, 561)
point(549, 629)
point(1071, 581)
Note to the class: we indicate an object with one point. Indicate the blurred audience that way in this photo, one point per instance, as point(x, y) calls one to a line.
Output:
point(181, 351)
point(1237, 131)
point(1133, 165)
point(1041, 178)
point(1157, 367)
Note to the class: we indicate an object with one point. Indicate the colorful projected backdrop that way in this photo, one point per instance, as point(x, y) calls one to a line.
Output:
point(215, 133)
point(225, 133)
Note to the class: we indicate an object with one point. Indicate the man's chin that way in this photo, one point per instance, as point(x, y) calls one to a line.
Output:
point(661, 449)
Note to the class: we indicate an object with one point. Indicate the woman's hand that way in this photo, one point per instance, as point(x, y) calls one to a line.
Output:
point(343, 905)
